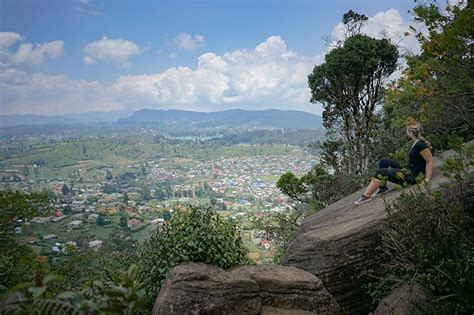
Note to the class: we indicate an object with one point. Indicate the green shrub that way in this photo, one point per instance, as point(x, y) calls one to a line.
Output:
point(192, 235)
point(122, 294)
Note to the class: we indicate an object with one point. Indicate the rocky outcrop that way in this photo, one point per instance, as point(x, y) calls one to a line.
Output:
point(406, 300)
point(197, 288)
point(339, 245)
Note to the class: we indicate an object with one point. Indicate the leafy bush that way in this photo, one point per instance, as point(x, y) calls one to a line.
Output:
point(120, 295)
point(192, 234)
point(17, 263)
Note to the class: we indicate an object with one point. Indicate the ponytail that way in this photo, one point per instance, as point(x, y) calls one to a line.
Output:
point(415, 128)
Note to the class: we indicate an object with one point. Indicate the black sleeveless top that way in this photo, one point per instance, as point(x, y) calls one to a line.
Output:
point(416, 162)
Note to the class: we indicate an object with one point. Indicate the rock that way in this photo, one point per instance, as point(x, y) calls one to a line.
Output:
point(405, 300)
point(339, 243)
point(197, 288)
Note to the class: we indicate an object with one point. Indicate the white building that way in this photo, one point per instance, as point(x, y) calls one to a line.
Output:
point(74, 224)
point(96, 244)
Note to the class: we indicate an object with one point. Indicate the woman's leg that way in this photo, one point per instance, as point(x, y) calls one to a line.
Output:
point(387, 163)
point(394, 175)
point(373, 186)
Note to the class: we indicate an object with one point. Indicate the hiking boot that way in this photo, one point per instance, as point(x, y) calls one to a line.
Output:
point(381, 190)
point(363, 199)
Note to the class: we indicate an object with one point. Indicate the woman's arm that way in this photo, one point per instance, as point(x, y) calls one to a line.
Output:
point(426, 154)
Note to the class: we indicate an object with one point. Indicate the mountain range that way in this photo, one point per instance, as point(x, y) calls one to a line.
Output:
point(289, 119)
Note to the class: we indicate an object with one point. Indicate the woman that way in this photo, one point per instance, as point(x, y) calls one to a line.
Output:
point(420, 160)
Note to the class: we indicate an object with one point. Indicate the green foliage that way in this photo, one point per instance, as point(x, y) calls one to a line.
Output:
point(353, 23)
point(192, 234)
point(437, 87)
point(457, 167)
point(122, 294)
point(17, 263)
point(350, 84)
point(16, 205)
point(317, 188)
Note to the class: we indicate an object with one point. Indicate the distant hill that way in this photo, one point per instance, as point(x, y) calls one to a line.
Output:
point(271, 118)
point(83, 118)
point(289, 119)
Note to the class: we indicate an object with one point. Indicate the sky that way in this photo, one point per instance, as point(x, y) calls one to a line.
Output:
point(73, 56)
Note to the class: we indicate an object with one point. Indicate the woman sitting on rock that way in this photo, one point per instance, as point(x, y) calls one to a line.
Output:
point(420, 160)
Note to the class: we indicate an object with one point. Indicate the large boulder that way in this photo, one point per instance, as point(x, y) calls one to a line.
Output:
point(406, 299)
point(339, 245)
point(197, 288)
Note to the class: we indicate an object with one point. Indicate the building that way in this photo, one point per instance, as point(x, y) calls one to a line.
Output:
point(93, 217)
point(74, 224)
point(95, 245)
point(56, 219)
point(48, 237)
point(133, 223)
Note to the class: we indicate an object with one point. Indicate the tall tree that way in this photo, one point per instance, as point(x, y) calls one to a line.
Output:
point(437, 87)
point(350, 85)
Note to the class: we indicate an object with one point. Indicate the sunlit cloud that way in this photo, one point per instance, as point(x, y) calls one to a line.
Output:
point(27, 53)
point(116, 50)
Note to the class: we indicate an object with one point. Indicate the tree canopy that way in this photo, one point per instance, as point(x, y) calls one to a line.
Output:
point(350, 85)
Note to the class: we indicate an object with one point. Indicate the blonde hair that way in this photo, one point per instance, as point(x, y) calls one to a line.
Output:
point(415, 128)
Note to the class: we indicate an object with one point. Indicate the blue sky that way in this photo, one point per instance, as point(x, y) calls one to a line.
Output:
point(70, 56)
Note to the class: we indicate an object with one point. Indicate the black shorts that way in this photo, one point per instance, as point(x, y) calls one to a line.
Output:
point(393, 172)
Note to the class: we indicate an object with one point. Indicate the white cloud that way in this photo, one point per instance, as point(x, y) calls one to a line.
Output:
point(270, 75)
point(389, 24)
point(27, 53)
point(188, 42)
point(116, 50)
point(42, 93)
point(9, 38)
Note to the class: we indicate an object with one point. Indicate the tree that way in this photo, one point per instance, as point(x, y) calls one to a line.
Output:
point(123, 220)
point(167, 215)
point(67, 209)
point(66, 190)
point(350, 85)
point(437, 87)
point(101, 220)
point(125, 198)
point(146, 193)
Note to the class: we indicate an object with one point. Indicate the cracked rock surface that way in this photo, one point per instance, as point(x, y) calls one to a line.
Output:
point(197, 288)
